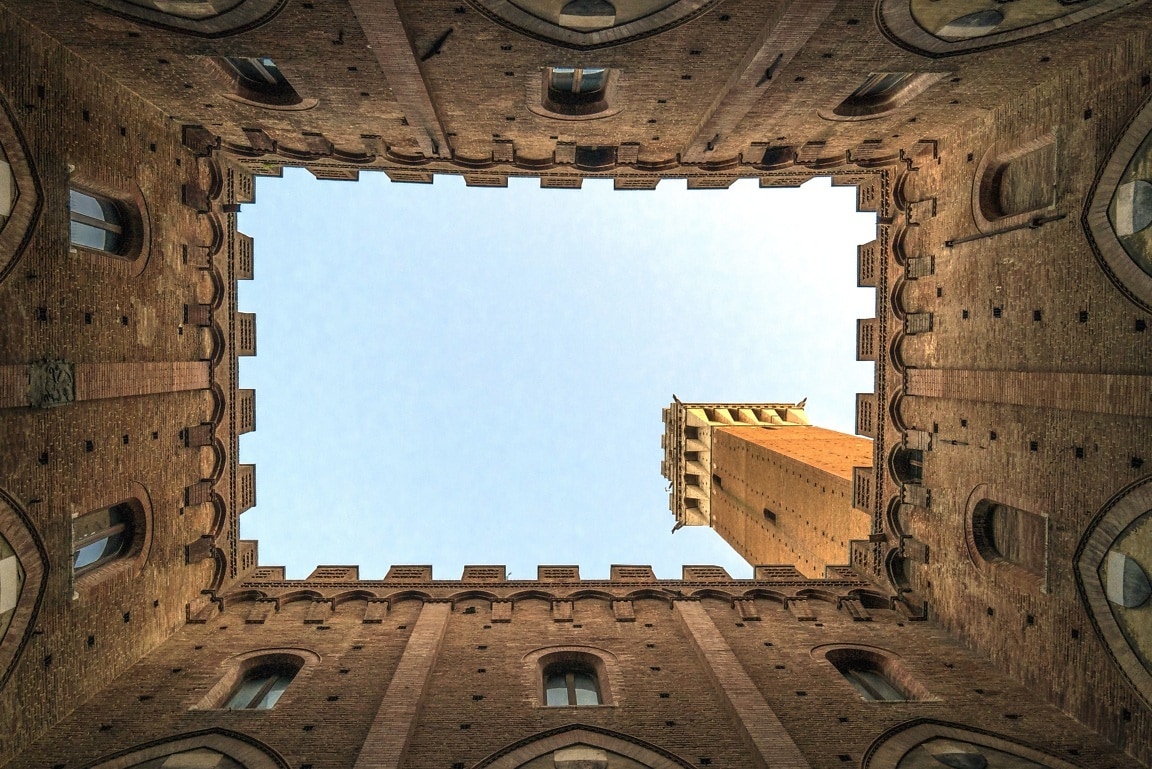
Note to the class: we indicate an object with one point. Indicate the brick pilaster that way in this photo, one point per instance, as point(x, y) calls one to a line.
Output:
point(762, 731)
point(396, 719)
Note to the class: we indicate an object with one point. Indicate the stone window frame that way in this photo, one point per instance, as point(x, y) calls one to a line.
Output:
point(895, 20)
point(233, 670)
point(1124, 273)
point(539, 102)
point(245, 16)
point(881, 660)
point(603, 663)
point(131, 562)
point(889, 748)
point(242, 749)
point(998, 568)
point(879, 105)
point(1124, 508)
point(132, 256)
point(992, 164)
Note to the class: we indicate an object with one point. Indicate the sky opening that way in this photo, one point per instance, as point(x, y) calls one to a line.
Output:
point(451, 375)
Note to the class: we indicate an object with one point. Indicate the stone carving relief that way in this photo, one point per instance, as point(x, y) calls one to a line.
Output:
point(50, 383)
point(946, 27)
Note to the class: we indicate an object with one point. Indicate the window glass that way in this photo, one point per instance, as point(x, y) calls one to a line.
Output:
point(259, 79)
point(556, 690)
point(585, 689)
point(273, 696)
point(873, 685)
point(878, 86)
point(563, 78)
point(246, 693)
point(96, 222)
point(101, 536)
point(260, 71)
point(260, 689)
point(571, 686)
point(592, 79)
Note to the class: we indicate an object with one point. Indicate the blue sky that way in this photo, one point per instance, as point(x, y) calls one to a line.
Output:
point(475, 376)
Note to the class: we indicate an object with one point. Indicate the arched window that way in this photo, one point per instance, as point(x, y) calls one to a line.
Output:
point(1007, 534)
point(875, 94)
point(575, 93)
point(261, 686)
point(869, 681)
point(103, 536)
point(1013, 183)
point(882, 92)
point(577, 90)
point(97, 223)
point(571, 684)
point(874, 676)
point(908, 465)
point(256, 680)
point(258, 80)
point(570, 676)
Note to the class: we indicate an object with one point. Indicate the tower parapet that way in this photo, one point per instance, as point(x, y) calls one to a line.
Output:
point(687, 444)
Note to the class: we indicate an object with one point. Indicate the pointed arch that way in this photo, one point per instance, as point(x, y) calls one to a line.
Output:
point(1112, 575)
point(643, 19)
point(905, 23)
point(928, 738)
point(20, 211)
point(543, 743)
point(244, 750)
point(22, 583)
point(216, 18)
point(1116, 214)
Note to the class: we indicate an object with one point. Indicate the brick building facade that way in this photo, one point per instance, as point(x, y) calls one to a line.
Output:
point(992, 604)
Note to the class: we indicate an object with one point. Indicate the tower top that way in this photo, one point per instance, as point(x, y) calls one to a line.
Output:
point(687, 444)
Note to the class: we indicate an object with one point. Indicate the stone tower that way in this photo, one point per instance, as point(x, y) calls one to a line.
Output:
point(776, 488)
